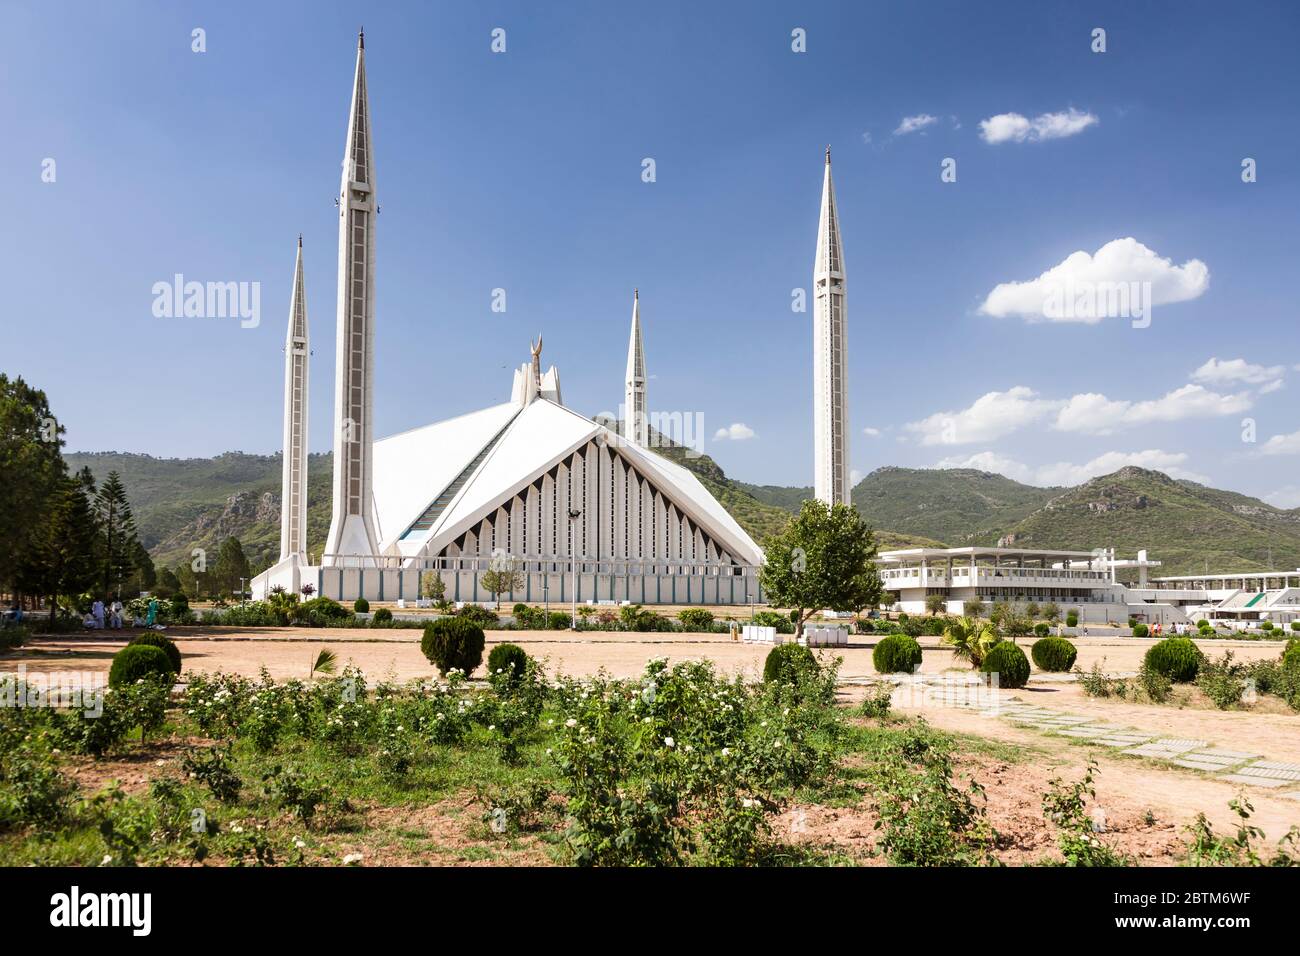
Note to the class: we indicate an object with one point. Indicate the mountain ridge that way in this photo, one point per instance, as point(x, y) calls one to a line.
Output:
point(187, 503)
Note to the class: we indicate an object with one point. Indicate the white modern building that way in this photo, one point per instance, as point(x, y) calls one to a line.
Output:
point(1246, 598)
point(579, 510)
point(1084, 581)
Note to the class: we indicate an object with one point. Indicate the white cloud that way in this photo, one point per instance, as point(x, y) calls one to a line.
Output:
point(1232, 371)
point(1282, 445)
point(737, 431)
point(910, 124)
point(991, 416)
point(1012, 127)
point(1098, 415)
point(1068, 473)
point(1271, 387)
point(854, 476)
point(1123, 278)
point(871, 432)
point(866, 138)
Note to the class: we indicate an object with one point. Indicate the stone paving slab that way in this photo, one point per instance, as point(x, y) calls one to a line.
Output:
point(1255, 770)
point(1239, 755)
point(1185, 752)
point(1210, 766)
point(1255, 781)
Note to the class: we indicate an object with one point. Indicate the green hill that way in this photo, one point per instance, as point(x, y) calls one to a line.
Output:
point(186, 503)
point(1187, 526)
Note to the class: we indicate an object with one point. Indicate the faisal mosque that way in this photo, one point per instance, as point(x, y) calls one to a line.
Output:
point(583, 512)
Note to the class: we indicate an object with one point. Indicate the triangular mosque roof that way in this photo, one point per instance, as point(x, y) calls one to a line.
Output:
point(516, 444)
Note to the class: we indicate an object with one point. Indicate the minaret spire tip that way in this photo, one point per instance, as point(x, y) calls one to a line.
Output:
point(828, 154)
point(361, 39)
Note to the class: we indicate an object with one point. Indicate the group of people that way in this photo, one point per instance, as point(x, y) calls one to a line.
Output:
point(111, 616)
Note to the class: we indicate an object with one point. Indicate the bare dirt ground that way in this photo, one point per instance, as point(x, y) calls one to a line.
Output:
point(1127, 788)
point(287, 652)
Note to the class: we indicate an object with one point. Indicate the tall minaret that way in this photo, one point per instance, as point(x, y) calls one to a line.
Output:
point(293, 489)
point(830, 361)
point(636, 427)
point(352, 529)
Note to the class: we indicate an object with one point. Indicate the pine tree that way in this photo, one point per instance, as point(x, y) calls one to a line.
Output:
point(62, 558)
point(117, 539)
point(232, 564)
point(31, 472)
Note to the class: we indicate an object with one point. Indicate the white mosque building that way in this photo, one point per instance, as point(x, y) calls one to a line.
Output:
point(582, 511)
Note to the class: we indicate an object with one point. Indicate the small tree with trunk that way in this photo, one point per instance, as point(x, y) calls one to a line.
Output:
point(936, 603)
point(821, 559)
point(501, 578)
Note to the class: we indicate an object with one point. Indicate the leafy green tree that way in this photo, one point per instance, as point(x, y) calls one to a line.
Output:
point(501, 580)
point(61, 559)
point(974, 608)
point(231, 566)
point(118, 546)
point(1015, 621)
point(935, 603)
point(1051, 612)
point(168, 583)
point(821, 559)
point(188, 580)
point(432, 586)
point(31, 472)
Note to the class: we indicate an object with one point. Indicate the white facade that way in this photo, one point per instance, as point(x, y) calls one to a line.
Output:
point(1083, 581)
point(352, 532)
point(293, 487)
point(830, 355)
point(533, 486)
point(1086, 581)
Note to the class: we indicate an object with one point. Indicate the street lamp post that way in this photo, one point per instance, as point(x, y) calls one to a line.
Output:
point(574, 515)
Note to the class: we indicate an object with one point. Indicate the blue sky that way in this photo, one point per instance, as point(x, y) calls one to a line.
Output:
point(522, 171)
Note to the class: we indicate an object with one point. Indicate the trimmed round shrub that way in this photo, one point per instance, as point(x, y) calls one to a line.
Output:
point(383, 617)
point(1266, 626)
point(785, 661)
point(321, 612)
point(508, 658)
point(137, 661)
point(896, 654)
point(1042, 629)
point(1295, 625)
point(164, 644)
point(1141, 630)
point(476, 614)
point(1054, 654)
point(1008, 661)
point(696, 619)
point(1071, 618)
point(453, 642)
point(1202, 624)
point(1291, 653)
point(361, 606)
point(1177, 658)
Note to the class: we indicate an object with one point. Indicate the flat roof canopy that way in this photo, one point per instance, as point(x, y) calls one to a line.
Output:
point(1230, 577)
point(909, 554)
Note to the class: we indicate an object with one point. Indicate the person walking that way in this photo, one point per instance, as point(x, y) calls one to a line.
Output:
point(152, 616)
point(116, 614)
point(97, 612)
